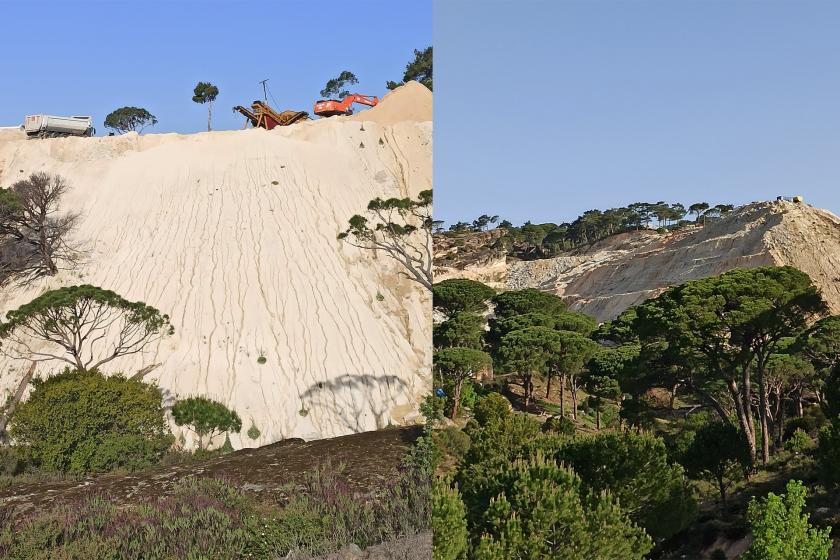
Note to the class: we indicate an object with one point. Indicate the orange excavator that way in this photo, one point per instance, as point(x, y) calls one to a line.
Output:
point(332, 107)
point(263, 116)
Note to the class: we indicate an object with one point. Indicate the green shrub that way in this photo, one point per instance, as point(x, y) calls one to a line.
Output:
point(11, 462)
point(610, 417)
point(452, 442)
point(300, 526)
point(798, 442)
point(106, 423)
point(449, 523)
point(636, 470)
point(261, 360)
point(539, 510)
point(206, 417)
point(433, 408)
point(811, 421)
point(560, 426)
point(253, 431)
point(781, 530)
point(493, 407)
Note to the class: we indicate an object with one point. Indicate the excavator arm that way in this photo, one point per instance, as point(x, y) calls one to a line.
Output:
point(369, 100)
point(331, 107)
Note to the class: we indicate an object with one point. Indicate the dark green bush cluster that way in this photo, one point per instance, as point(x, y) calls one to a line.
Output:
point(559, 425)
point(83, 421)
point(539, 491)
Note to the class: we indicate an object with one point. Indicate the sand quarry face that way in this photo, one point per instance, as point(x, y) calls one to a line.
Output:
point(626, 269)
point(233, 234)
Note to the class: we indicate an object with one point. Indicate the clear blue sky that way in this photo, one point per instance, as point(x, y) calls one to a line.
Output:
point(89, 57)
point(546, 109)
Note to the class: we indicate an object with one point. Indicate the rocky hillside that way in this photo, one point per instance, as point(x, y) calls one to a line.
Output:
point(624, 270)
point(233, 234)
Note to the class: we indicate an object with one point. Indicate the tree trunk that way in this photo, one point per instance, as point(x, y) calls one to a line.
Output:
point(762, 410)
point(209, 114)
point(526, 385)
point(780, 431)
point(799, 410)
point(457, 398)
point(711, 401)
point(673, 396)
point(744, 416)
point(722, 489)
point(573, 382)
point(562, 396)
point(598, 414)
point(548, 387)
point(7, 413)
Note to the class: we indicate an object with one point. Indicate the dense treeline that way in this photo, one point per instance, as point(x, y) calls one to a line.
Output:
point(679, 399)
point(541, 240)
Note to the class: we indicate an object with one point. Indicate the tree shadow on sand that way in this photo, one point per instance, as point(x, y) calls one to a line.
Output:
point(357, 402)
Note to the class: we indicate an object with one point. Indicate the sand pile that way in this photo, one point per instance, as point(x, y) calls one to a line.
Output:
point(411, 102)
point(626, 269)
point(233, 234)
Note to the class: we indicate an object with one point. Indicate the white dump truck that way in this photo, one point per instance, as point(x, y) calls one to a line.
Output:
point(49, 126)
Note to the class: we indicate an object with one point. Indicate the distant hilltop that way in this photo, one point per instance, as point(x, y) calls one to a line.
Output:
point(623, 270)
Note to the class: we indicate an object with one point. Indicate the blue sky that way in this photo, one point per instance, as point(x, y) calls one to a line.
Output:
point(90, 57)
point(546, 109)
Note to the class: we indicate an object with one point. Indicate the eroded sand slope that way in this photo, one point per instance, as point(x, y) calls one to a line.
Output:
point(626, 269)
point(233, 234)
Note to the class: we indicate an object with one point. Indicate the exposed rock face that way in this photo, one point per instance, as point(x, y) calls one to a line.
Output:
point(233, 234)
point(466, 254)
point(626, 269)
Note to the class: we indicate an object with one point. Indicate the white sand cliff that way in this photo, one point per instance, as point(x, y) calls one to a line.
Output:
point(233, 234)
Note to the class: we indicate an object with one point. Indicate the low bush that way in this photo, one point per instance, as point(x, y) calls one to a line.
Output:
point(798, 442)
point(493, 407)
point(449, 523)
point(106, 423)
point(452, 442)
point(559, 425)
